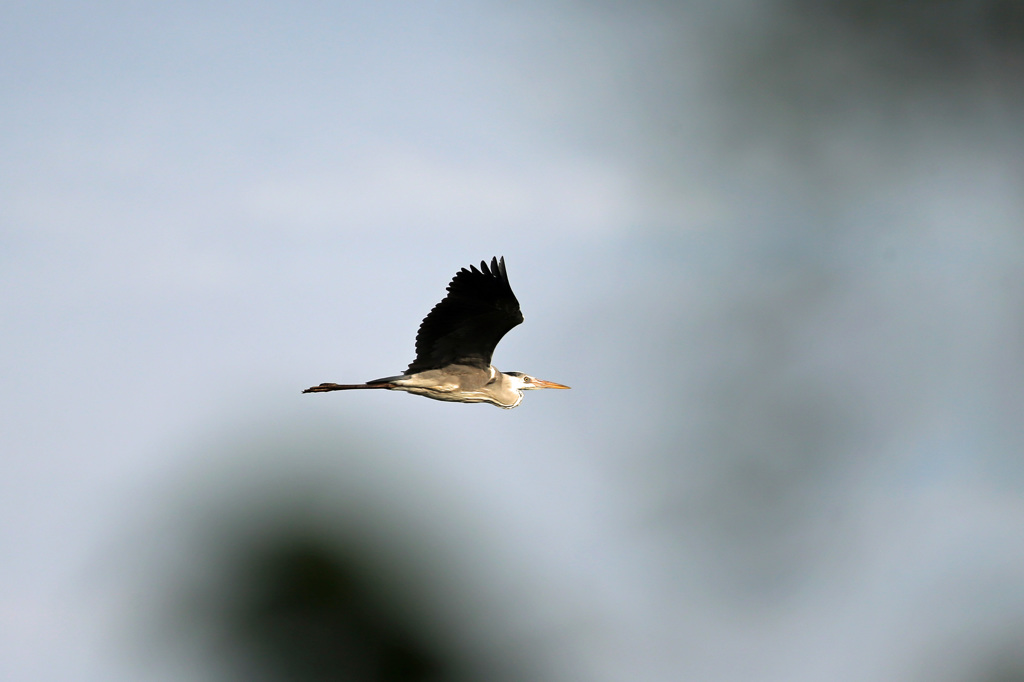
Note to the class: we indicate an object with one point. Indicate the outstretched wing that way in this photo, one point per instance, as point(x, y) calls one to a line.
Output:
point(465, 327)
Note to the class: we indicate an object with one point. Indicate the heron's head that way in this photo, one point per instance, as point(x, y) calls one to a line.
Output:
point(524, 382)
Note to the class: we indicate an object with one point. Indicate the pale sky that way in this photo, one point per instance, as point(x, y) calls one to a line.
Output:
point(791, 314)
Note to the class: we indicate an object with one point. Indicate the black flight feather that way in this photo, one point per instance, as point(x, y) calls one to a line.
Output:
point(464, 328)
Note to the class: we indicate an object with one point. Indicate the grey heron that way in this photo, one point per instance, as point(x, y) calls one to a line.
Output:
point(455, 343)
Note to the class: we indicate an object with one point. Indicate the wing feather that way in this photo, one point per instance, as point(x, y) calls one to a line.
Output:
point(468, 323)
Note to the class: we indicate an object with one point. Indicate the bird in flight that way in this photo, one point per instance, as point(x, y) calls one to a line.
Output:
point(455, 343)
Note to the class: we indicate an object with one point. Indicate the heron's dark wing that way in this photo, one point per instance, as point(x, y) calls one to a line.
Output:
point(465, 327)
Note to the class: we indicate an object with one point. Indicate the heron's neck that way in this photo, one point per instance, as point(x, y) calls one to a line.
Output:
point(511, 390)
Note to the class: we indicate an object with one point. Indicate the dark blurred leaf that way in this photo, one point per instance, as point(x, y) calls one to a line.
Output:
point(305, 608)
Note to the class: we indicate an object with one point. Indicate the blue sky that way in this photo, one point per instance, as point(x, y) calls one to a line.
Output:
point(790, 314)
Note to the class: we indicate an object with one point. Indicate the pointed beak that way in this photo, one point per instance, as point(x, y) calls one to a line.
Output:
point(540, 383)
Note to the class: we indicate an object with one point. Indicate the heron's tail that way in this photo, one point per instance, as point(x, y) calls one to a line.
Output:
point(323, 388)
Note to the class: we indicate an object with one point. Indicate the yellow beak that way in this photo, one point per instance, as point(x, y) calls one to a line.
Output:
point(540, 383)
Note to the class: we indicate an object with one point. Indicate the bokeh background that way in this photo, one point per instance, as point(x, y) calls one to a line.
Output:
point(775, 246)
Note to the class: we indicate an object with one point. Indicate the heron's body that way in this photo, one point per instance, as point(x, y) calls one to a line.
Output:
point(455, 343)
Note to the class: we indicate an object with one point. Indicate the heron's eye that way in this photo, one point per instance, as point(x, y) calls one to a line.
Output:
point(528, 379)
